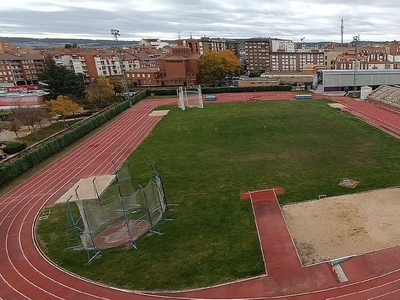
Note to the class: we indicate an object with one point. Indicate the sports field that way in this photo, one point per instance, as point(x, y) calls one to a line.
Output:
point(206, 158)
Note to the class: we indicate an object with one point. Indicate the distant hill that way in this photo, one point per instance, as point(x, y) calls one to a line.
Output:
point(86, 43)
point(58, 42)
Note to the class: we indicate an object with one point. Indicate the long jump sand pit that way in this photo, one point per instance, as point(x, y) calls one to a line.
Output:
point(336, 227)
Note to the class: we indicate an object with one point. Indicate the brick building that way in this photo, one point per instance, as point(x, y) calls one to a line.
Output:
point(368, 58)
point(179, 67)
point(19, 65)
point(92, 63)
point(257, 54)
point(143, 77)
point(277, 55)
point(20, 68)
point(294, 61)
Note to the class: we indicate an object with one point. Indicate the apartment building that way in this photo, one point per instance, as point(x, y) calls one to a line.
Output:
point(257, 54)
point(331, 52)
point(345, 61)
point(282, 45)
point(152, 43)
point(277, 55)
point(92, 63)
point(394, 48)
point(20, 68)
point(6, 46)
point(294, 61)
point(19, 65)
point(207, 44)
point(368, 58)
point(143, 77)
point(146, 61)
point(395, 60)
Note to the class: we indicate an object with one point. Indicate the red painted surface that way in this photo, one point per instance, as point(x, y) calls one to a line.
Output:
point(21, 88)
point(26, 274)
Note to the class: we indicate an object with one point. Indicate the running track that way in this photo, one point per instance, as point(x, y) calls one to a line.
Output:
point(26, 274)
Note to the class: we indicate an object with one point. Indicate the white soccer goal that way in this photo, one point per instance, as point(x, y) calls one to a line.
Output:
point(181, 100)
point(190, 97)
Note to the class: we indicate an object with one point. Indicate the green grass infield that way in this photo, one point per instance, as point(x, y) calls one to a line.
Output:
point(206, 157)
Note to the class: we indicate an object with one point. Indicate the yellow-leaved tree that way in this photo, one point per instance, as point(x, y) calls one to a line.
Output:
point(61, 106)
point(214, 67)
point(100, 89)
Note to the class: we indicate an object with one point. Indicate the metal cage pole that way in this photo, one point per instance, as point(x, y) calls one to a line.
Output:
point(86, 222)
point(71, 222)
point(127, 222)
point(152, 225)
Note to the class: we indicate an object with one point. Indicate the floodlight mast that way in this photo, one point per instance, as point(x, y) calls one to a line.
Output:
point(356, 39)
point(116, 34)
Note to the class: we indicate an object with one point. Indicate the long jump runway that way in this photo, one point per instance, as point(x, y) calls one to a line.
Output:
point(26, 274)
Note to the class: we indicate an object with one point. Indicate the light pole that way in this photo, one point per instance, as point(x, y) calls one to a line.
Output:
point(115, 33)
point(356, 39)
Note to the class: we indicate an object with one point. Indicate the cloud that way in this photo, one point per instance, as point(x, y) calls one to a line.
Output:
point(316, 20)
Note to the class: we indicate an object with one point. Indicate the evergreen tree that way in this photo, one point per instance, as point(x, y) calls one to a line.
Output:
point(58, 80)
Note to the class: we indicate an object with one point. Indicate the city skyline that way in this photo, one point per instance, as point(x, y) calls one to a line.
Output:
point(313, 20)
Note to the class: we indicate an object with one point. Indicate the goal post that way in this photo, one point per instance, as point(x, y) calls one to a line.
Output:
point(190, 97)
point(194, 97)
point(181, 100)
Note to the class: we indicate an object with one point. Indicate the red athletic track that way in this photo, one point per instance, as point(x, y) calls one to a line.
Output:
point(26, 274)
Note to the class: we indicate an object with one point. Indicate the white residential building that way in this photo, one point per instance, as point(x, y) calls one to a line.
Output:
point(282, 45)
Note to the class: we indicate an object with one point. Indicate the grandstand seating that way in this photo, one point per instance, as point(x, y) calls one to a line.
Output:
point(386, 95)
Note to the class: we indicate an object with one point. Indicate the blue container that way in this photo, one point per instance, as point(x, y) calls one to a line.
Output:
point(303, 97)
point(211, 98)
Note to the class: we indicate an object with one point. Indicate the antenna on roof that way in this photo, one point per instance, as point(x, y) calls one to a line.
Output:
point(341, 30)
point(179, 35)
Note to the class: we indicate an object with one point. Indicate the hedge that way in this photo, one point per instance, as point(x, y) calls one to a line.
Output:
point(217, 90)
point(14, 147)
point(32, 156)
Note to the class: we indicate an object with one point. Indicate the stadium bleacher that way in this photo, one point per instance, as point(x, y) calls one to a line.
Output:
point(386, 95)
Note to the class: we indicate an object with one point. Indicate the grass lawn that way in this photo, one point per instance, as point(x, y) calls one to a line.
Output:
point(206, 158)
point(46, 131)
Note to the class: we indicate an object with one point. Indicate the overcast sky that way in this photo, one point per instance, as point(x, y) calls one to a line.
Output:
point(315, 20)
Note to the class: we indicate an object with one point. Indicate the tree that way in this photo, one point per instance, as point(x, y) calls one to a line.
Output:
point(117, 85)
point(58, 80)
point(232, 64)
point(62, 106)
point(100, 90)
point(256, 73)
point(14, 126)
point(29, 116)
point(68, 46)
point(214, 67)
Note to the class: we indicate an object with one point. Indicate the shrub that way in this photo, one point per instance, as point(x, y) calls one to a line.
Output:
point(33, 156)
point(14, 147)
